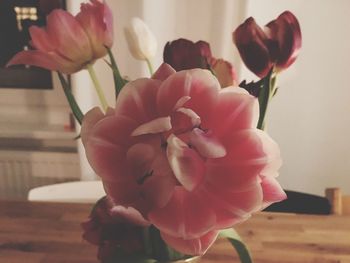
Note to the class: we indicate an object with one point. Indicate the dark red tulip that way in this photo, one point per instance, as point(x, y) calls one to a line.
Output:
point(252, 44)
point(285, 32)
point(277, 45)
point(114, 227)
point(184, 54)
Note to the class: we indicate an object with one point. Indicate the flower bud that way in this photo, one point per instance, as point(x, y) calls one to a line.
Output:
point(252, 44)
point(285, 32)
point(184, 54)
point(141, 41)
point(278, 44)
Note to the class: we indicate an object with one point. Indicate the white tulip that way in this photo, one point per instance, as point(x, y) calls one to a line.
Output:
point(141, 41)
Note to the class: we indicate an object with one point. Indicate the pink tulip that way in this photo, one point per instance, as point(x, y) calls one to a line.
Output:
point(186, 154)
point(224, 72)
point(278, 44)
point(69, 43)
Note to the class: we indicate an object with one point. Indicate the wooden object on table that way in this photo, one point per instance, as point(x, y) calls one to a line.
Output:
point(39, 232)
point(70, 192)
point(340, 203)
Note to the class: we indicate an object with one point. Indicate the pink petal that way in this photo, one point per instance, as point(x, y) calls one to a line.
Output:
point(127, 192)
point(68, 36)
point(224, 72)
point(193, 117)
point(250, 153)
point(196, 246)
point(97, 21)
point(181, 102)
point(107, 145)
point(186, 164)
point(90, 119)
point(180, 217)
point(137, 100)
point(272, 191)
point(235, 110)
point(38, 58)
point(155, 126)
point(247, 200)
point(226, 215)
point(41, 39)
point(206, 145)
point(163, 72)
point(159, 189)
point(198, 84)
point(129, 215)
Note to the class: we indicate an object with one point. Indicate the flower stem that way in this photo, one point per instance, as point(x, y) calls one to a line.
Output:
point(150, 67)
point(265, 96)
point(98, 88)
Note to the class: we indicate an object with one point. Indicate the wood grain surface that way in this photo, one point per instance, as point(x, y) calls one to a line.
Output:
point(50, 233)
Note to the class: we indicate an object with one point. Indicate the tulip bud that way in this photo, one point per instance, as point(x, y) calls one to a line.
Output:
point(252, 44)
point(114, 227)
point(184, 54)
point(285, 32)
point(141, 41)
point(277, 45)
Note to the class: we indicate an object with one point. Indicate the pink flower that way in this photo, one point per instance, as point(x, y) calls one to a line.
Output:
point(114, 227)
point(69, 43)
point(185, 154)
point(224, 72)
point(184, 54)
point(278, 44)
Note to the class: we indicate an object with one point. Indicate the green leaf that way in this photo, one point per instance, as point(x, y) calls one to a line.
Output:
point(119, 81)
point(78, 114)
point(238, 244)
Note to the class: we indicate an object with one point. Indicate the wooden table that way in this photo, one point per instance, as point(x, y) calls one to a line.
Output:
point(50, 233)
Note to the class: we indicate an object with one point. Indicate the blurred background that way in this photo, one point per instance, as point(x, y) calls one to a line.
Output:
point(309, 117)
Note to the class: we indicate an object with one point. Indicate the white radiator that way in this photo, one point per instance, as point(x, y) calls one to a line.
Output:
point(23, 170)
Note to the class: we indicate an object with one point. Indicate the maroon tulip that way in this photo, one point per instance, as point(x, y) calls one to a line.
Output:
point(114, 227)
point(277, 45)
point(285, 32)
point(184, 54)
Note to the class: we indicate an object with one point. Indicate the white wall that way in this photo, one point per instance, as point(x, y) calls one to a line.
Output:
point(310, 116)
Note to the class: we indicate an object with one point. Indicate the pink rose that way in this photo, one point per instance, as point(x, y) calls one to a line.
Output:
point(69, 43)
point(185, 154)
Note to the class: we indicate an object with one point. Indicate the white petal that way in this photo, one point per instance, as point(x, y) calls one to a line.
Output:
point(158, 125)
point(206, 145)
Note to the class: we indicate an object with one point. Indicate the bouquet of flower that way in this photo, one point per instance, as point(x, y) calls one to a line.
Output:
point(182, 155)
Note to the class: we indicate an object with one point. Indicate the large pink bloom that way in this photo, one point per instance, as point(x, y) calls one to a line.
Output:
point(186, 154)
point(69, 43)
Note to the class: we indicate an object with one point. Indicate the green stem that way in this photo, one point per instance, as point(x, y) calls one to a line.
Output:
point(97, 87)
point(150, 67)
point(238, 244)
point(266, 94)
point(119, 82)
point(78, 114)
